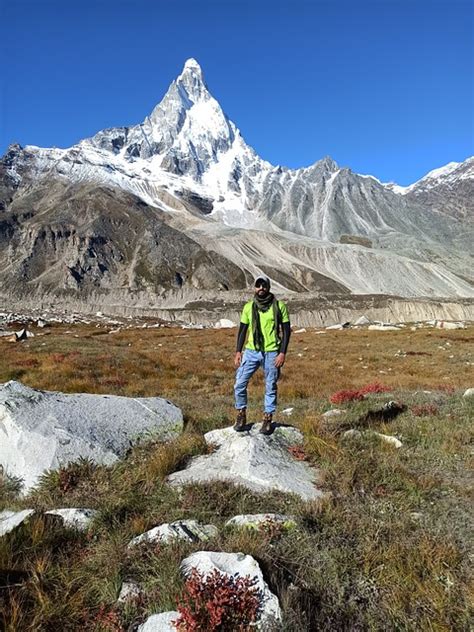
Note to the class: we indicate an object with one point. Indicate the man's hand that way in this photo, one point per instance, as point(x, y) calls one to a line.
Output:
point(280, 360)
point(237, 359)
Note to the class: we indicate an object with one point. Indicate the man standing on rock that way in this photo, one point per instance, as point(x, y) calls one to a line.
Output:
point(267, 323)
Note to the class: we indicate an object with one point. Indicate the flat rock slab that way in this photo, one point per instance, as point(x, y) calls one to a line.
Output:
point(9, 520)
point(189, 530)
point(255, 521)
point(236, 563)
point(162, 622)
point(41, 430)
point(260, 463)
point(75, 518)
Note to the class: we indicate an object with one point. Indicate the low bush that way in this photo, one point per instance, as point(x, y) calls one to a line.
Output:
point(219, 602)
point(341, 397)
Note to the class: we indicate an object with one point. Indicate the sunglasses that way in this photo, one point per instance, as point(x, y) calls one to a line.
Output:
point(261, 284)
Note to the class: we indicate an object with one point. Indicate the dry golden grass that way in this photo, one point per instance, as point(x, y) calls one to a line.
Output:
point(195, 367)
point(387, 549)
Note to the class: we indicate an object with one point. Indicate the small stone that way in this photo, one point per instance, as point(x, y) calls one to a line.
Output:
point(254, 521)
point(188, 530)
point(300, 331)
point(469, 393)
point(389, 439)
point(287, 411)
point(162, 622)
point(334, 412)
point(352, 434)
point(224, 323)
point(129, 592)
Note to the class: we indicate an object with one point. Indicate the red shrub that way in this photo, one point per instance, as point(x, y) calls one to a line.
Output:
point(446, 388)
point(107, 620)
point(424, 410)
point(28, 362)
point(298, 452)
point(345, 396)
point(340, 397)
point(218, 602)
point(374, 387)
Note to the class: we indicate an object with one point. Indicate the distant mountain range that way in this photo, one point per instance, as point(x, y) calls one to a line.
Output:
point(181, 206)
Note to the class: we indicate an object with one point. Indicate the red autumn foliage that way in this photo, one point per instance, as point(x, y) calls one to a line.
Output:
point(424, 410)
point(340, 397)
point(28, 362)
point(218, 602)
point(107, 620)
point(298, 452)
point(446, 388)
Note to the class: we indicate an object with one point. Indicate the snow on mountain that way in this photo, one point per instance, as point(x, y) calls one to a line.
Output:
point(189, 160)
point(448, 174)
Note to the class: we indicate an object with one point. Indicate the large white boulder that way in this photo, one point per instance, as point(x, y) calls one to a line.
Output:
point(189, 530)
point(224, 323)
point(446, 324)
point(75, 518)
point(259, 462)
point(162, 622)
point(10, 520)
point(243, 565)
point(41, 430)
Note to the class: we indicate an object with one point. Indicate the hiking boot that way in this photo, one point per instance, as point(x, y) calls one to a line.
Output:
point(267, 420)
point(241, 420)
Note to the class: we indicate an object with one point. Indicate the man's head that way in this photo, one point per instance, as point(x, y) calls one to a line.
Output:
point(262, 286)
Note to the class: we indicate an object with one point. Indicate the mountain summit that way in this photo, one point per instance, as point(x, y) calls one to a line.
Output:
point(181, 202)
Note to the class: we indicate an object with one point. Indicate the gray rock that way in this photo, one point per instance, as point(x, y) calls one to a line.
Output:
point(245, 566)
point(444, 324)
point(9, 520)
point(162, 622)
point(189, 530)
point(357, 434)
point(41, 430)
point(352, 434)
point(334, 412)
point(260, 463)
point(79, 519)
point(129, 591)
point(363, 320)
point(254, 521)
point(389, 439)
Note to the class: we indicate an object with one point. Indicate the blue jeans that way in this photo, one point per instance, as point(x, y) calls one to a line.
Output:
point(251, 361)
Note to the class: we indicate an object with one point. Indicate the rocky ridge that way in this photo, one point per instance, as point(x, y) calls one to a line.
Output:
point(181, 203)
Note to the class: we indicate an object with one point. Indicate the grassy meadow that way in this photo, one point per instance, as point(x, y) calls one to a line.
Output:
point(387, 549)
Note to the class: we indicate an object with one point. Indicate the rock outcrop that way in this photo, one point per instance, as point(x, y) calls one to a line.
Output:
point(260, 463)
point(41, 430)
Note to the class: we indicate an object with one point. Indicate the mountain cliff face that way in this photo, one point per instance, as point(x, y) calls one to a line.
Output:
point(181, 202)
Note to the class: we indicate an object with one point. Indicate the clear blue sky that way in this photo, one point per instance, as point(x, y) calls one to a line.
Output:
point(382, 86)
